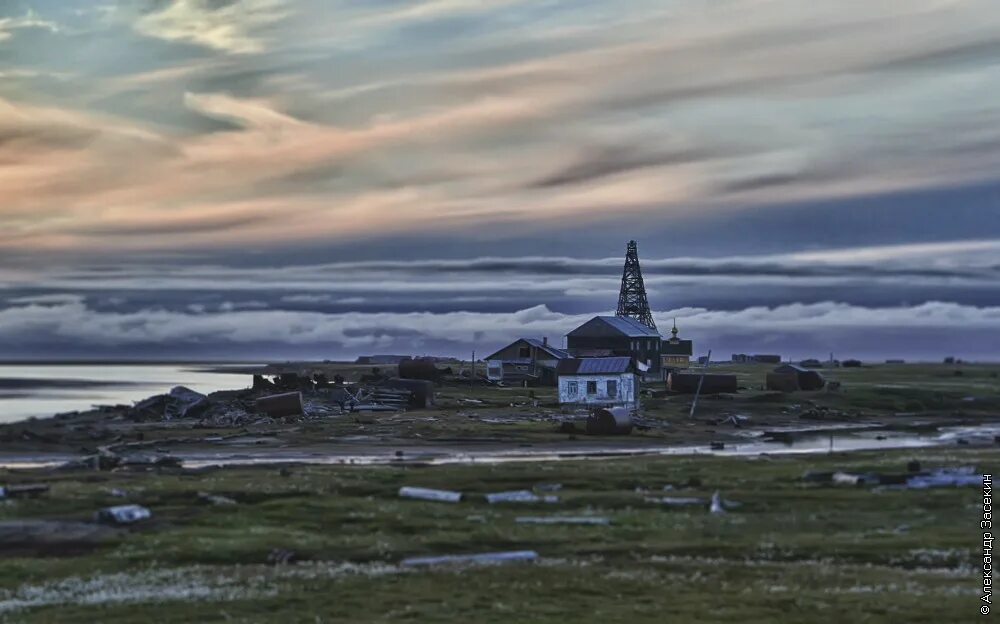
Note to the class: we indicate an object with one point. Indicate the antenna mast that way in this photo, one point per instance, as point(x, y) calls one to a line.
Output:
point(632, 302)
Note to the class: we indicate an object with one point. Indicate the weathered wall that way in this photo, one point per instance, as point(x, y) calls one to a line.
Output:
point(627, 387)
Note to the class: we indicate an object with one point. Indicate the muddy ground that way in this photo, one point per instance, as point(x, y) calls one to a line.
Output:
point(880, 401)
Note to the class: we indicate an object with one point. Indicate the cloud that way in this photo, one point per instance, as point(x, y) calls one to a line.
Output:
point(350, 333)
point(230, 26)
point(28, 21)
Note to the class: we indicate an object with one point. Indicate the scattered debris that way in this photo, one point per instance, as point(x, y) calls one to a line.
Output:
point(23, 491)
point(591, 520)
point(845, 478)
point(716, 505)
point(737, 420)
point(519, 496)
point(913, 479)
point(123, 514)
point(946, 477)
point(717, 446)
point(215, 499)
point(441, 496)
point(477, 559)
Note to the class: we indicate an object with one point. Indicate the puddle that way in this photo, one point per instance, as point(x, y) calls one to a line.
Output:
point(840, 442)
point(808, 441)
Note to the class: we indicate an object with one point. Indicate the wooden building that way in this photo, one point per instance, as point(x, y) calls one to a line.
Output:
point(676, 353)
point(526, 361)
point(616, 336)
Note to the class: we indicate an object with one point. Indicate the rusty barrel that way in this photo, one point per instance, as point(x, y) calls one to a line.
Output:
point(610, 421)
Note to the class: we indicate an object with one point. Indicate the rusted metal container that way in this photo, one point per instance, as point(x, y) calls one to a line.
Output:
point(783, 382)
point(281, 405)
point(714, 383)
point(610, 421)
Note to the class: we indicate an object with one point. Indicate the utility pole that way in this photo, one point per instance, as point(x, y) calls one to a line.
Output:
point(694, 404)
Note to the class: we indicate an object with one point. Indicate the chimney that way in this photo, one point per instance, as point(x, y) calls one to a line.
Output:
point(545, 340)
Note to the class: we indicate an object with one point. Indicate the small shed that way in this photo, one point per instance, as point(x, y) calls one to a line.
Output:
point(711, 383)
point(604, 382)
point(807, 379)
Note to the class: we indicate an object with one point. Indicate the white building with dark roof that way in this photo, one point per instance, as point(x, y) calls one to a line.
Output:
point(598, 382)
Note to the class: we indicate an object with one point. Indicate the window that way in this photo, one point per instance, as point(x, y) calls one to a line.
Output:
point(591, 387)
point(572, 388)
point(524, 352)
point(612, 388)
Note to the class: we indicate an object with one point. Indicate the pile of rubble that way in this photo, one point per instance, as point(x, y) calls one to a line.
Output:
point(288, 396)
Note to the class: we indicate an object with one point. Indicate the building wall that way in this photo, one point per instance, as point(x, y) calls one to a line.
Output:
point(642, 349)
point(518, 357)
point(573, 389)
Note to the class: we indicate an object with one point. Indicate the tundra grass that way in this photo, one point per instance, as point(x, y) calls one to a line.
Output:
point(792, 551)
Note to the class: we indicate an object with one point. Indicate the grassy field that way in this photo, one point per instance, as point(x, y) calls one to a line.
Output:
point(791, 552)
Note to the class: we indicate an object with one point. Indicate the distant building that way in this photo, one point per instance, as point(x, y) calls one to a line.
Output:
point(603, 381)
point(381, 359)
point(525, 361)
point(615, 336)
point(743, 358)
point(789, 378)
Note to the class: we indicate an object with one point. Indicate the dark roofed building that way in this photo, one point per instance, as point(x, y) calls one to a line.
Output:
point(525, 361)
point(617, 336)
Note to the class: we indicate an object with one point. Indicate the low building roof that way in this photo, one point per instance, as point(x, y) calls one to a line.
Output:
point(595, 366)
point(556, 353)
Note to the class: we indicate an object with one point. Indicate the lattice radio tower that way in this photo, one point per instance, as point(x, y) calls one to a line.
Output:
point(632, 302)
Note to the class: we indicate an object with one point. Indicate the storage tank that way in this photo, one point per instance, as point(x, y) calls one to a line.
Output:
point(610, 421)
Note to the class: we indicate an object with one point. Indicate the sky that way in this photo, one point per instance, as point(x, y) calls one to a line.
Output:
point(281, 179)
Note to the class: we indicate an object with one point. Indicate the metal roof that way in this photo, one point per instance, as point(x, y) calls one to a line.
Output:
point(629, 326)
point(559, 354)
point(595, 366)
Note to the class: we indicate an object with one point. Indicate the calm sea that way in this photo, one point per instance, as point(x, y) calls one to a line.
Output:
point(44, 390)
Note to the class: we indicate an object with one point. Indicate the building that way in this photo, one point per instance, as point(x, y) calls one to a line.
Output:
point(675, 353)
point(381, 359)
point(616, 336)
point(789, 377)
point(602, 381)
point(743, 358)
point(526, 361)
